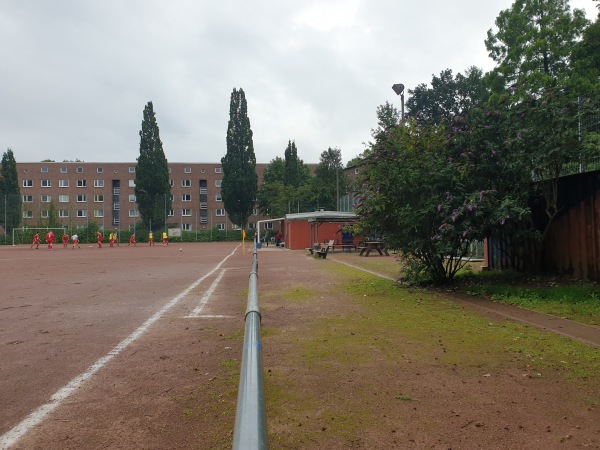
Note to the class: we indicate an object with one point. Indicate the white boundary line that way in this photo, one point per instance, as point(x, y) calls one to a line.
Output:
point(204, 300)
point(363, 269)
point(11, 437)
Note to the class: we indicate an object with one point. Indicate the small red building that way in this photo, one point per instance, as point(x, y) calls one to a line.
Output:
point(303, 230)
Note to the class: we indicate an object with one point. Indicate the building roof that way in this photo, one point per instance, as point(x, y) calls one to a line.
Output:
point(322, 216)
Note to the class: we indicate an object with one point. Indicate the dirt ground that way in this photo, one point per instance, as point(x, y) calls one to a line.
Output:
point(159, 373)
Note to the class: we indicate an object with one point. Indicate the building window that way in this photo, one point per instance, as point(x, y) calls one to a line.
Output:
point(171, 197)
point(220, 212)
point(46, 183)
point(186, 183)
point(82, 213)
point(356, 171)
point(252, 225)
point(171, 212)
point(45, 214)
point(131, 169)
point(99, 183)
point(186, 197)
point(133, 213)
point(99, 198)
point(63, 199)
point(171, 183)
point(79, 170)
point(63, 183)
point(44, 170)
point(81, 183)
point(27, 214)
point(27, 198)
point(187, 170)
point(63, 170)
point(27, 183)
point(131, 198)
point(116, 206)
point(98, 213)
point(220, 226)
point(218, 183)
point(269, 226)
point(132, 183)
point(186, 226)
point(186, 212)
point(99, 170)
point(254, 212)
point(116, 191)
point(45, 198)
point(82, 198)
point(217, 170)
point(218, 198)
point(202, 170)
point(63, 213)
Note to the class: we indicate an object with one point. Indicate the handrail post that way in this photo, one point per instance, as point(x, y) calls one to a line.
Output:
point(250, 431)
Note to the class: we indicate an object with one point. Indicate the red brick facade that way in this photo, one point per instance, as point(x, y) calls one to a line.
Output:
point(82, 192)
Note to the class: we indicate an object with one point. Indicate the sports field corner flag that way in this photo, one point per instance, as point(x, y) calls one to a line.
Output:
point(243, 235)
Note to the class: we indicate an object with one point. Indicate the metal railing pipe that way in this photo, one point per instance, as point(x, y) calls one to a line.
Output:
point(250, 431)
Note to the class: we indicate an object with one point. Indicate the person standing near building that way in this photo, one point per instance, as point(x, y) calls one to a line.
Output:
point(99, 240)
point(278, 237)
point(111, 239)
point(165, 239)
point(65, 239)
point(36, 241)
point(151, 238)
point(116, 238)
point(75, 240)
point(50, 239)
point(131, 240)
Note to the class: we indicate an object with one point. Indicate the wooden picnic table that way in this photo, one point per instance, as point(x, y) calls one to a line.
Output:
point(373, 245)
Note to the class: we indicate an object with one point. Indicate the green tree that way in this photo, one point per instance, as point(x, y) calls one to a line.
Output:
point(330, 180)
point(240, 181)
point(152, 187)
point(448, 96)
point(274, 171)
point(388, 117)
point(295, 171)
point(10, 200)
point(275, 196)
point(534, 39)
point(586, 54)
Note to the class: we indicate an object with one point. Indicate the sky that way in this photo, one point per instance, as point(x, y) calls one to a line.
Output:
point(76, 75)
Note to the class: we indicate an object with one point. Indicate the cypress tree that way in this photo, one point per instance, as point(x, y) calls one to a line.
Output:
point(240, 182)
point(152, 188)
point(10, 209)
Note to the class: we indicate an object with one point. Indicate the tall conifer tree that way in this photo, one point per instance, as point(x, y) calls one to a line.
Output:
point(152, 188)
point(240, 182)
point(10, 201)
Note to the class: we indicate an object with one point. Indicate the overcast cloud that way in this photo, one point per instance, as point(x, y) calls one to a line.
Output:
point(76, 74)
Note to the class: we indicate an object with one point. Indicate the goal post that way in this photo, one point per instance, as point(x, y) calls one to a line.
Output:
point(26, 233)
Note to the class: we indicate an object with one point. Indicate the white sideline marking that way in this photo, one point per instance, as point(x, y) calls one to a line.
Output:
point(204, 300)
point(11, 437)
point(363, 269)
point(215, 316)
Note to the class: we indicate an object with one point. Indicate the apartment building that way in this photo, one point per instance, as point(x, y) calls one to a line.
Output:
point(81, 192)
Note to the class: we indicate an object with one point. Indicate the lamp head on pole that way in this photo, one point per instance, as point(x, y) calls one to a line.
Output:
point(398, 88)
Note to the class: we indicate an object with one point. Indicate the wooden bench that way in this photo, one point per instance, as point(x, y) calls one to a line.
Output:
point(321, 251)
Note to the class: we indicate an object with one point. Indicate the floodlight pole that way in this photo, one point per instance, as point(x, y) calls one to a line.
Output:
point(399, 90)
